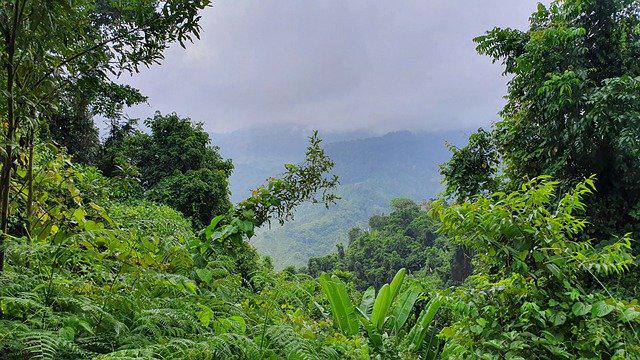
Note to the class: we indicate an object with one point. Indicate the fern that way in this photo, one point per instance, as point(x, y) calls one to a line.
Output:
point(41, 345)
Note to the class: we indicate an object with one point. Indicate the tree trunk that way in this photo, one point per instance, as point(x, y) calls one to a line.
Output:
point(30, 182)
point(461, 264)
point(7, 166)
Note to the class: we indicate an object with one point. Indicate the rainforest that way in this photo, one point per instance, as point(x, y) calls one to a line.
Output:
point(124, 241)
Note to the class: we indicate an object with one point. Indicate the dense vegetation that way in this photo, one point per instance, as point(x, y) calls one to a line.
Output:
point(175, 165)
point(137, 253)
point(403, 239)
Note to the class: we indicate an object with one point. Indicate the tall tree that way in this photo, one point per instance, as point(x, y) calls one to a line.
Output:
point(46, 44)
point(175, 145)
point(72, 124)
point(573, 105)
point(177, 164)
point(471, 171)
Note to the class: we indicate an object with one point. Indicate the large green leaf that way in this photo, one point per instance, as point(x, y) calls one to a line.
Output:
point(396, 283)
point(580, 308)
point(420, 330)
point(601, 309)
point(381, 306)
point(366, 304)
point(341, 307)
point(402, 309)
point(374, 335)
point(385, 298)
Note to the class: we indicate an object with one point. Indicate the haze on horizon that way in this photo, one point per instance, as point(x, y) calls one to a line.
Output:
point(335, 65)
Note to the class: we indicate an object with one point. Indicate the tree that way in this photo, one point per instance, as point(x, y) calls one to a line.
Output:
point(72, 125)
point(46, 44)
point(175, 146)
point(471, 171)
point(404, 238)
point(529, 297)
point(573, 103)
point(200, 194)
point(113, 152)
point(176, 163)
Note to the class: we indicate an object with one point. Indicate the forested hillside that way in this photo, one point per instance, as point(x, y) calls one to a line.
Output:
point(131, 248)
point(372, 171)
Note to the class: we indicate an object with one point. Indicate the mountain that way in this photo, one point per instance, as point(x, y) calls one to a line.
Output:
point(372, 170)
point(259, 152)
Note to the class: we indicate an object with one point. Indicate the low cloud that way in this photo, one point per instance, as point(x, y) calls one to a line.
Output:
point(336, 65)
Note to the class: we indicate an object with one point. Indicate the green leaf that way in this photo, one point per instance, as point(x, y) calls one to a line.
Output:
point(78, 215)
point(208, 231)
point(341, 307)
point(368, 298)
point(234, 324)
point(402, 308)
point(580, 309)
point(396, 283)
point(419, 331)
point(374, 335)
point(558, 318)
point(205, 315)
point(204, 274)
point(629, 314)
point(381, 306)
point(601, 309)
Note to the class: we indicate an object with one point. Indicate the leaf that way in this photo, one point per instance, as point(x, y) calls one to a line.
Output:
point(402, 308)
point(374, 336)
point(385, 297)
point(233, 324)
point(396, 283)
point(629, 314)
point(78, 215)
point(91, 225)
point(366, 304)
point(205, 274)
point(205, 315)
point(580, 309)
point(419, 331)
point(558, 318)
point(341, 307)
point(381, 306)
point(601, 309)
point(208, 231)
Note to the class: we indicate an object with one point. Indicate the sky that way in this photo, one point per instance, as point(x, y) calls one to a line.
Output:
point(335, 65)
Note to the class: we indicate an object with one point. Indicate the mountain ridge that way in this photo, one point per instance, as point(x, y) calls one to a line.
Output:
point(373, 169)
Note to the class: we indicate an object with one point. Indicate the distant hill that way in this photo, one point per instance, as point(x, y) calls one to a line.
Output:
point(372, 171)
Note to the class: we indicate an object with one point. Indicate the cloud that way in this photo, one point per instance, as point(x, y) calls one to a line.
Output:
point(336, 65)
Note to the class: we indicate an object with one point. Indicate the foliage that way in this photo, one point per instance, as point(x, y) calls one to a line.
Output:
point(384, 315)
point(403, 239)
point(96, 270)
point(48, 47)
point(531, 295)
point(131, 281)
point(72, 125)
point(175, 164)
point(174, 146)
point(471, 169)
point(201, 193)
point(572, 105)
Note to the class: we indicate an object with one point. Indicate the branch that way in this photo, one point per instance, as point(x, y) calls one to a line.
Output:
point(82, 53)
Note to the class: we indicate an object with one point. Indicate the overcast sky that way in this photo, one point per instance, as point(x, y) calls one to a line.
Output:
point(336, 65)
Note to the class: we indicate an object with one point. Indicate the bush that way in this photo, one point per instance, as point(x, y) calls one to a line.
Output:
point(199, 194)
